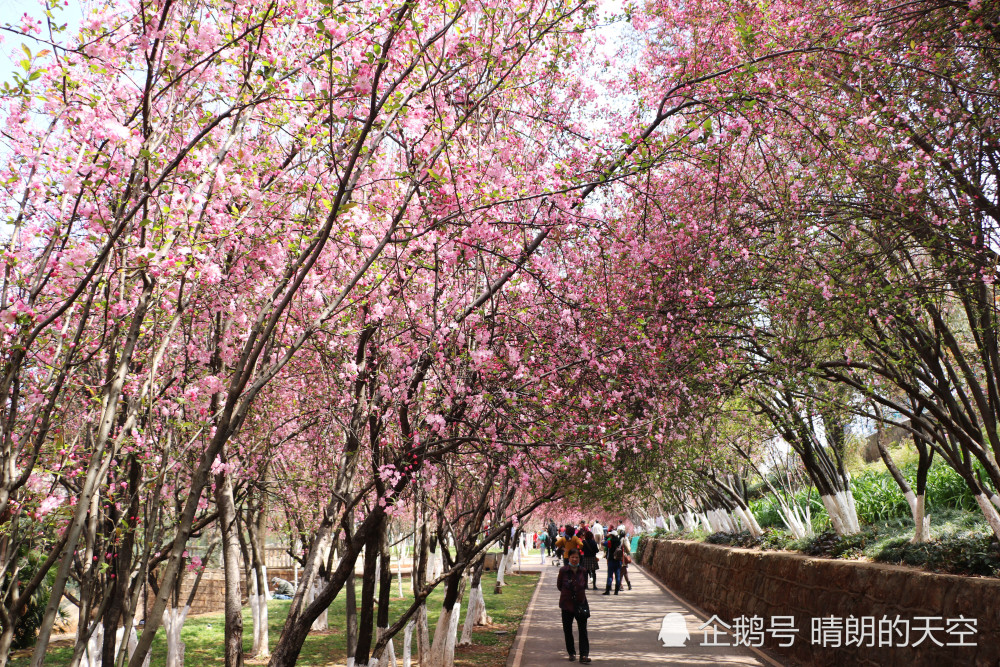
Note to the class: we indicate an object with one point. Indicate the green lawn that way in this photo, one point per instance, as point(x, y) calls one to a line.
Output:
point(203, 635)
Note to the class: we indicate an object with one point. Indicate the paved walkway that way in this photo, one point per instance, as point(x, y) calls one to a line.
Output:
point(623, 629)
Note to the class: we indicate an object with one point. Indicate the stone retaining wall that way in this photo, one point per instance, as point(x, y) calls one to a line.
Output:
point(211, 595)
point(732, 582)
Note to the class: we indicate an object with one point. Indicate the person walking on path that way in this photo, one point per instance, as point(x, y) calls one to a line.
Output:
point(589, 560)
point(598, 531)
point(626, 557)
point(572, 585)
point(613, 553)
point(569, 541)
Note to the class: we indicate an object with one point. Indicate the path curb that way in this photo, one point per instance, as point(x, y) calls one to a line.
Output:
point(517, 648)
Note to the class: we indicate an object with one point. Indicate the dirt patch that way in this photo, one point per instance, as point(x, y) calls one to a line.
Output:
point(482, 656)
point(55, 643)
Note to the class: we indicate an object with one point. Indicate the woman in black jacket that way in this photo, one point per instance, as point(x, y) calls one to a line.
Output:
point(589, 560)
point(572, 585)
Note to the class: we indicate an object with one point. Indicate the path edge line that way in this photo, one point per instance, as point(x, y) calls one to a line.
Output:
point(520, 636)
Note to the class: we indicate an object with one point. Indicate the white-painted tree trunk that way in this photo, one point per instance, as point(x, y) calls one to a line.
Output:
point(483, 617)
point(442, 653)
point(843, 515)
point(423, 634)
point(173, 621)
point(501, 570)
point(994, 498)
point(724, 520)
point(408, 643)
point(133, 643)
point(990, 512)
point(437, 562)
point(672, 524)
point(475, 614)
point(388, 658)
point(92, 654)
point(399, 571)
point(798, 522)
point(852, 509)
point(258, 614)
point(750, 521)
point(921, 520)
point(321, 623)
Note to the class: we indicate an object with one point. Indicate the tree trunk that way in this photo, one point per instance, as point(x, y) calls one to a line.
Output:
point(921, 523)
point(502, 567)
point(421, 553)
point(476, 612)
point(799, 523)
point(921, 520)
point(442, 652)
point(367, 599)
point(6, 639)
point(173, 622)
point(384, 594)
point(990, 512)
point(351, 601)
point(233, 641)
point(843, 515)
point(408, 643)
point(258, 614)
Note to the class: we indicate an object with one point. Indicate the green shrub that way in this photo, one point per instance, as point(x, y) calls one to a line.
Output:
point(964, 554)
point(878, 497)
point(947, 489)
point(31, 619)
point(830, 545)
point(772, 539)
point(740, 539)
point(768, 514)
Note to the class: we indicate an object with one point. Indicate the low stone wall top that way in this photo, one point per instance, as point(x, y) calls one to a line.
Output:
point(731, 583)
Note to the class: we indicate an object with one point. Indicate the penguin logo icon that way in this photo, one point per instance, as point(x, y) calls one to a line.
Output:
point(673, 630)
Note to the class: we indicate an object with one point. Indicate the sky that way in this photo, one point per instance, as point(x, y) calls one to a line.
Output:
point(11, 12)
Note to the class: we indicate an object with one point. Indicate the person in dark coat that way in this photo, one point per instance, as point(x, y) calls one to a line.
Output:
point(553, 536)
point(613, 553)
point(572, 585)
point(589, 559)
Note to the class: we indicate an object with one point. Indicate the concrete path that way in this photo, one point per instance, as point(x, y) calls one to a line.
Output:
point(622, 628)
